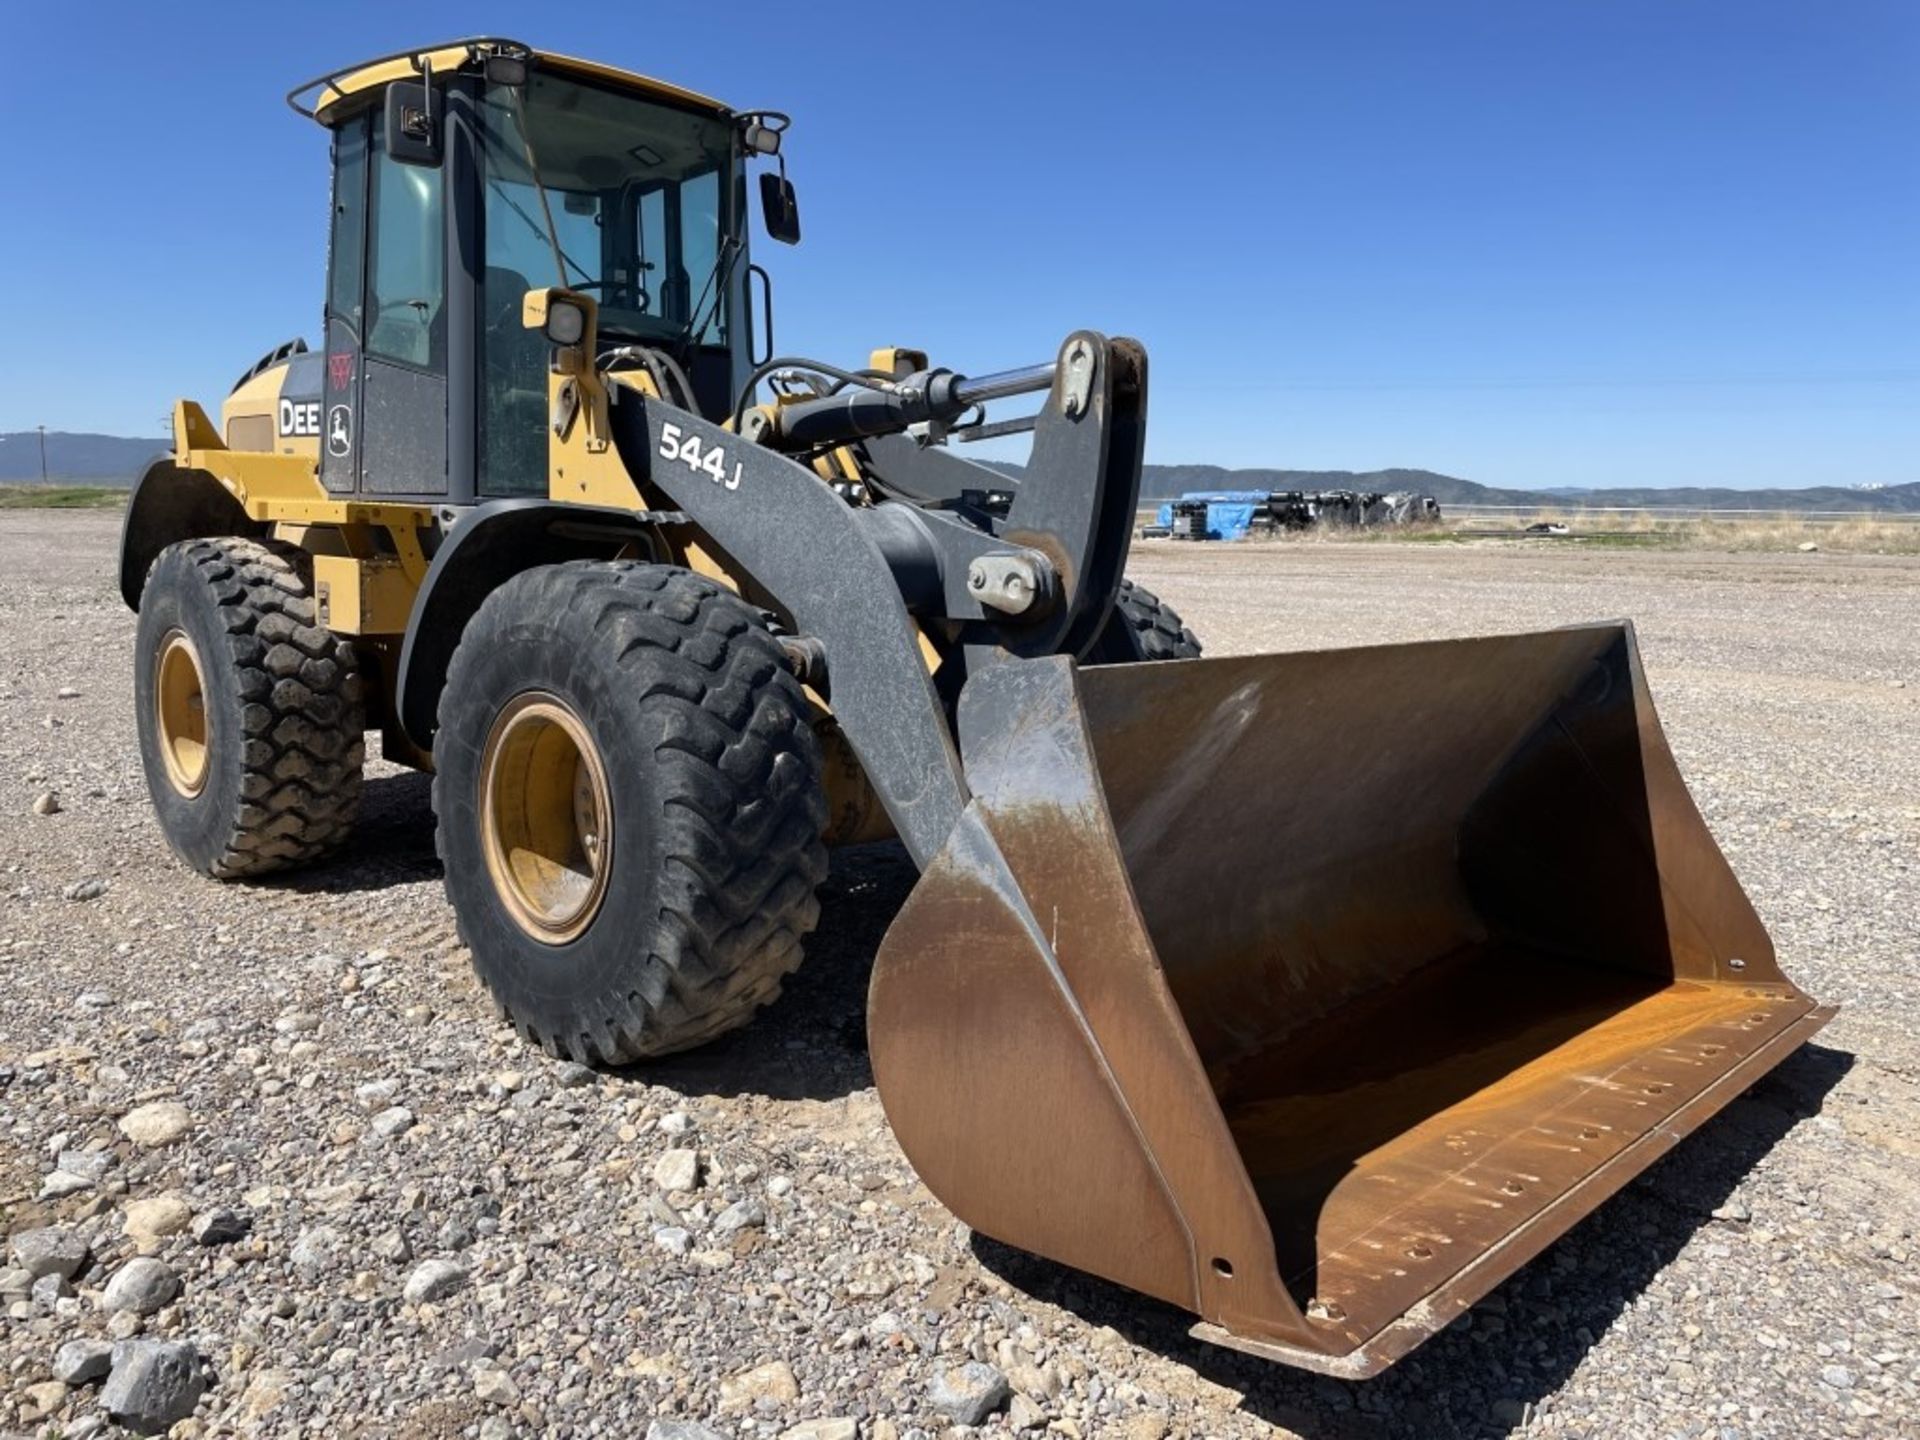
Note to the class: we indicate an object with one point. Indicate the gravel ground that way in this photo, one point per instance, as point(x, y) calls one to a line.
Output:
point(308, 1174)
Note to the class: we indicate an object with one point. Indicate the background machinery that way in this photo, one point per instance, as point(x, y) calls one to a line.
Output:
point(1235, 514)
point(661, 641)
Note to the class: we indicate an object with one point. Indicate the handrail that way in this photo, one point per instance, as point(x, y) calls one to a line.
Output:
point(496, 44)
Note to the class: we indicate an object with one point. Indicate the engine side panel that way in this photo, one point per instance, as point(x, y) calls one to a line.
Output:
point(277, 411)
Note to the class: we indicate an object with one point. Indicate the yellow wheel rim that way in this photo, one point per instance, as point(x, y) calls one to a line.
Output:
point(180, 714)
point(546, 817)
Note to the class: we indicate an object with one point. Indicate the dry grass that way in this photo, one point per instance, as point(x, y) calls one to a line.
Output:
point(1868, 534)
point(62, 497)
point(1786, 532)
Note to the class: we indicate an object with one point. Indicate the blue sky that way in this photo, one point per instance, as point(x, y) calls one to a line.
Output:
point(1572, 243)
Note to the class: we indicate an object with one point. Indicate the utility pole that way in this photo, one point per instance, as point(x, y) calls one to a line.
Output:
point(43, 454)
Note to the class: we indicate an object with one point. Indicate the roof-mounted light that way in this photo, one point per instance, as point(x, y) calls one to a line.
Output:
point(760, 131)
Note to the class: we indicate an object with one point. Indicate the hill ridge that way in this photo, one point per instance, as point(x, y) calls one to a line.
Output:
point(89, 457)
point(1160, 482)
point(82, 455)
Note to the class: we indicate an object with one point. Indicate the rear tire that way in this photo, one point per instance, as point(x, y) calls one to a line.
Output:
point(630, 808)
point(1142, 626)
point(251, 717)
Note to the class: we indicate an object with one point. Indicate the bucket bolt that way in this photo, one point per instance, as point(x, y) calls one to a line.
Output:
point(1010, 583)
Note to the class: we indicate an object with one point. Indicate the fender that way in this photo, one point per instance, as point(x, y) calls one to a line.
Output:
point(205, 488)
point(487, 546)
point(171, 503)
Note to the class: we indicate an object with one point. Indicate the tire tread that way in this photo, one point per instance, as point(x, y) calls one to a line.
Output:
point(740, 810)
point(304, 743)
point(1153, 627)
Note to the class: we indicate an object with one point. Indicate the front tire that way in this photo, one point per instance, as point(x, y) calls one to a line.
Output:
point(630, 807)
point(1142, 626)
point(251, 717)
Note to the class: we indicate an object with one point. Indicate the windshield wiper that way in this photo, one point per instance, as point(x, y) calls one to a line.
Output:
point(533, 169)
point(550, 234)
point(564, 258)
point(717, 278)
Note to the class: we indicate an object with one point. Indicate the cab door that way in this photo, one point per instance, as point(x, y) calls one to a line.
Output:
point(384, 430)
point(346, 304)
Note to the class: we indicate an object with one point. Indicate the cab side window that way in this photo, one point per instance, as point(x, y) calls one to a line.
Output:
point(406, 289)
point(349, 224)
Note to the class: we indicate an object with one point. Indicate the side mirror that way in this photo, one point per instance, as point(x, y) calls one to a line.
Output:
point(413, 123)
point(780, 208)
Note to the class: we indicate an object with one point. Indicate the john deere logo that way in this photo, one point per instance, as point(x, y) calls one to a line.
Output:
point(340, 431)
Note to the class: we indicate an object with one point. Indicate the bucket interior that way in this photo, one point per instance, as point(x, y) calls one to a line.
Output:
point(1444, 928)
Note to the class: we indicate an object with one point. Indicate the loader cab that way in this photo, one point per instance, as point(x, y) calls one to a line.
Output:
point(556, 173)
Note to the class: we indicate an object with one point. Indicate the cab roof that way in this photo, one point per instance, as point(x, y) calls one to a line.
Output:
point(326, 97)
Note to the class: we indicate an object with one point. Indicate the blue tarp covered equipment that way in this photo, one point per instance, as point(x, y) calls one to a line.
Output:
point(1229, 512)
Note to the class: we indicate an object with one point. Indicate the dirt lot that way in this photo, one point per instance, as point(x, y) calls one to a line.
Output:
point(1762, 1281)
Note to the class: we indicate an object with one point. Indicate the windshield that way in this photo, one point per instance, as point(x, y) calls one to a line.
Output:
point(638, 194)
point(642, 200)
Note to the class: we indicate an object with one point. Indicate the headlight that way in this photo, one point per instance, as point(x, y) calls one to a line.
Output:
point(566, 323)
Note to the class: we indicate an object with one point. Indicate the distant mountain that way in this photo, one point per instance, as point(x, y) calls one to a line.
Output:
point(119, 459)
point(100, 459)
point(1160, 482)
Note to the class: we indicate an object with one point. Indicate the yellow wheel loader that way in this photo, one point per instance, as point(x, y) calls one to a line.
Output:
point(666, 615)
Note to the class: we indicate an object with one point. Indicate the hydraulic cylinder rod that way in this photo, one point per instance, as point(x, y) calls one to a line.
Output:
point(859, 411)
point(1024, 381)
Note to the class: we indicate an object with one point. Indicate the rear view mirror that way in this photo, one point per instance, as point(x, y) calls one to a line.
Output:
point(780, 208)
point(413, 123)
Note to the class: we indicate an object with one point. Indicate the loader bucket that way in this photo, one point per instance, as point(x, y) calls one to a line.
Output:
point(1316, 993)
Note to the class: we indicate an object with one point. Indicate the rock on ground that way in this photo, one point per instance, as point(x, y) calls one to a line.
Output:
point(316, 1248)
point(161, 1123)
point(266, 1392)
point(51, 1250)
point(434, 1280)
point(41, 1400)
point(677, 1171)
point(148, 1222)
point(392, 1122)
point(153, 1384)
point(495, 1386)
point(140, 1287)
point(773, 1381)
point(967, 1394)
point(220, 1226)
point(741, 1215)
point(81, 1362)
